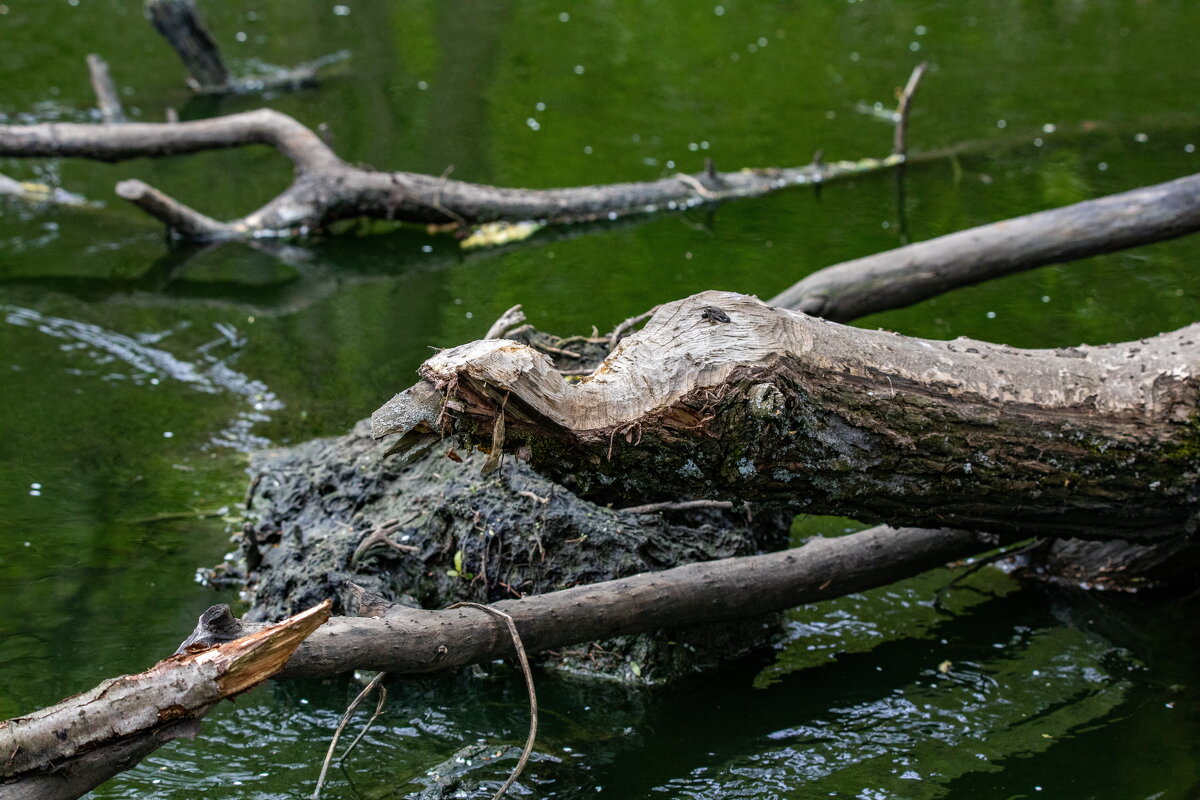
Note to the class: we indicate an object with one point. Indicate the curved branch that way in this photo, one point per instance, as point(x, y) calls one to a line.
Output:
point(772, 406)
point(121, 142)
point(326, 189)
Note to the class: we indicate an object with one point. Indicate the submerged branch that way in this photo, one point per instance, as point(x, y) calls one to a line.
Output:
point(326, 189)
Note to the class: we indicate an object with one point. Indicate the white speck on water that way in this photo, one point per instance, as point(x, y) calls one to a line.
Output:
point(35, 486)
point(1049, 127)
point(342, 11)
point(671, 164)
point(540, 106)
point(1102, 166)
point(303, 701)
point(688, 255)
point(34, 493)
point(426, 248)
point(854, 56)
point(469, 315)
point(914, 46)
point(752, 48)
point(991, 315)
point(719, 11)
point(1045, 298)
point(579, 70)
point(762, 41)
point(1038, 142)
point(1189, 148)
point(1141, 138)
point(587, 149)
point(1001, 123)
point(422, 85)
point(533, 124)
point(920, 30)
point(885, 224)
point(168, 434)
point(564, 17)
point(241, 36)
point(612, 215)
point(693, 146)
point(704, 145)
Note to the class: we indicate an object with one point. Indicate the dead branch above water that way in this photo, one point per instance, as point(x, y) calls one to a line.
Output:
point(326, 189)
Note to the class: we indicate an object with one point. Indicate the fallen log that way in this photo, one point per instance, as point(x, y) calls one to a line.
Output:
point(724, 396)
point(65, 750)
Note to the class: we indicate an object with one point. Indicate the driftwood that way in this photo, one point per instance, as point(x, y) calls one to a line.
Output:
point(65, 750)
point(896, 278)
point(327, 189)
point(87, 741)
point(409, 640)
point(777, 407)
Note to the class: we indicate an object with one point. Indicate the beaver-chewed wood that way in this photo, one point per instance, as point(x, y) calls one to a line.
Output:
point(775, 406)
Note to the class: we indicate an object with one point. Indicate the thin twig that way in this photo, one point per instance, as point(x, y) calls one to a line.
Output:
point(350, 709)
point(1000, 555)
point(899, 142)
point(685, 505)
point(509, 319)
point(367, 727)
point(619, 331)
point(533, 712)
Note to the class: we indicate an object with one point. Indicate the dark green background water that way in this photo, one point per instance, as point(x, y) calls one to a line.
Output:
point(134, 377)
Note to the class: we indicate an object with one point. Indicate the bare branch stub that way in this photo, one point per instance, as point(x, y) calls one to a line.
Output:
point(108, 100)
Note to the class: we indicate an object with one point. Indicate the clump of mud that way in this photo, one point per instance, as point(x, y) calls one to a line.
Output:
point(435, 532)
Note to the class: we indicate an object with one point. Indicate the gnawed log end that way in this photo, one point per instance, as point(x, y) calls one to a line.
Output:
point(778, 407)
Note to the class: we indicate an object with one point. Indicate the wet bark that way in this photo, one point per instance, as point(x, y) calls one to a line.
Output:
point(434, 532)
point(66, 749)
point(780, 408)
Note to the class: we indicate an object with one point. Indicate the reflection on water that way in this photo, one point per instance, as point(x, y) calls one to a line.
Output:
point(108, 353)
point(114, 338)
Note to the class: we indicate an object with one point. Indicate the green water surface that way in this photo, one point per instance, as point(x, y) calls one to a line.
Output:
point(135, 376)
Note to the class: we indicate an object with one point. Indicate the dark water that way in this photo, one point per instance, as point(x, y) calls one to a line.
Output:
point(135, 376)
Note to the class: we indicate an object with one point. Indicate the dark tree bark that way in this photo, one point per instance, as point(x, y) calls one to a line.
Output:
point(776, 407)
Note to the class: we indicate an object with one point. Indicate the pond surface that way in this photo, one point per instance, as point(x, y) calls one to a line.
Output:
point(136, 376)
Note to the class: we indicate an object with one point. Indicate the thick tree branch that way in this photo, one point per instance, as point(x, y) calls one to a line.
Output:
point(774, 406)
point(896, 278)
point(407, 640)
point(326, 189)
